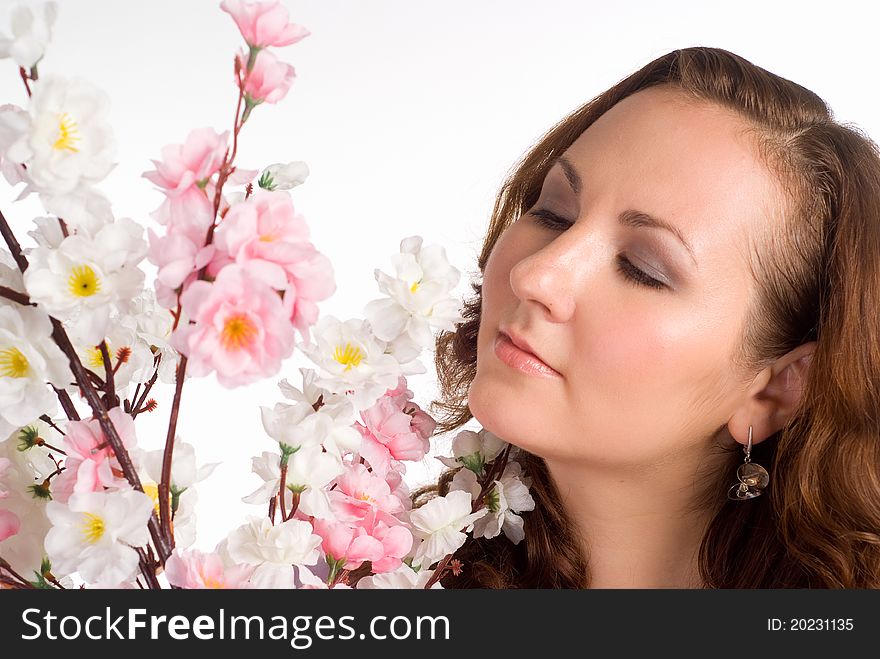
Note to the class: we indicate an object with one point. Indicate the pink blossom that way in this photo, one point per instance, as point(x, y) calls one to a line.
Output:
point(195, 569)
point(265, 235)
point(269, 80)
point(90, 459)
point(10, 524)
point(396, 428)
point(182, 250)
point(379, 543)
point(264, 23)
point(241, 329)
point(183, 173)
point(360, 493)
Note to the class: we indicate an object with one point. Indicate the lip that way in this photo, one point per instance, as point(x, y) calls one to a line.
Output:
point(516, 353)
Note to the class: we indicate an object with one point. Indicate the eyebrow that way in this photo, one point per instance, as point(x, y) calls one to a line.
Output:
point(628, 217)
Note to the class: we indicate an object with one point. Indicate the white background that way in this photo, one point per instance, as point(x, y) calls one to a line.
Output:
point(409, 115)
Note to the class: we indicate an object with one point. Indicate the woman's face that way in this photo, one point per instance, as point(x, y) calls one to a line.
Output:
point(644, 370)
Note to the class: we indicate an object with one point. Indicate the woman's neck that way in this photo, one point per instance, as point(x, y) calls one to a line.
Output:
point(640, 530)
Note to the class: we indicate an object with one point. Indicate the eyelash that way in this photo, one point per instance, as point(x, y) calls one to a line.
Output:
point(551, 220)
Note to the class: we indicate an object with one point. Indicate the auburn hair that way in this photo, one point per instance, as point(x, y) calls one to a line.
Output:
point(818, 279)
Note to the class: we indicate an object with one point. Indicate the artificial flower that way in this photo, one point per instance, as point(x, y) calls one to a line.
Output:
point(80, 280)
point(284, 176)
point(31, 33)
point(351, 359)
point(418, 295)
point(96, 533)
point(441, 524)
point(68, 142)
point(264, 23)
point(240, 328)
point(29, 359)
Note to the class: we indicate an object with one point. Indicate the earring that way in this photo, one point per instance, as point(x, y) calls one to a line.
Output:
point(753, 478)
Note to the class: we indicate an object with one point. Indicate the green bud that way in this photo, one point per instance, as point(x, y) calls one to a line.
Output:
point(28, 437)
point(41, 491)
point(266, 181)
point(474, 462)
point(286, 451)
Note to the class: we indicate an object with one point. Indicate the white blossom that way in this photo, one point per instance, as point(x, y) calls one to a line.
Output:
point(474, 449)
point(31, 33)
point(289, 543)
point(299, 425)
point(14, 122)
point(19, 470)
point(268, 467)
point(184, 472)
point(78, 281)
point(508, 497)
point(418, 294)
point(441, 524)
point(338, 406)
point(68, 142)
point(351, 360)
point(28, 360)
point(402, 577)
point(309, 471)
point(282, 176)
point(95, 534)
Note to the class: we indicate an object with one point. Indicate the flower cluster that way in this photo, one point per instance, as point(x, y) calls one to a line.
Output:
point(236, 291)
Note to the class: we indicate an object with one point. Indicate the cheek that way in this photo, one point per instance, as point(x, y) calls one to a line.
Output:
point(653, 361)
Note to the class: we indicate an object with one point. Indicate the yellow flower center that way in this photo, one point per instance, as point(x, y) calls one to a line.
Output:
point(93, 528)
point(83, 281)
point(268, 238)
point(238, 332)
point(95, 358)
point(414, 287)
point(152, 491)
point(13, 364)
point(212, 583)
point(68, 134)
point(349, 355)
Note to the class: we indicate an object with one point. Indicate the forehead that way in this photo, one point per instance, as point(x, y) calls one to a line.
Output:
point(690, 163)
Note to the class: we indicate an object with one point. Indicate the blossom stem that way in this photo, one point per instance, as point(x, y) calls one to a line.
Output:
point(24, 79)
point(51, 423)
point(167, 455)
point(148, 572)
point(15, 296)
point(281, 494)
point(24, 582)
point(43, 442)
point(12, 243)
point(294, 505)
point(109, 430)
point(67, 404)
point(109, 385)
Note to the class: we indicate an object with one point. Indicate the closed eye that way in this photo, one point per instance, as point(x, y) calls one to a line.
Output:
point(552, 221)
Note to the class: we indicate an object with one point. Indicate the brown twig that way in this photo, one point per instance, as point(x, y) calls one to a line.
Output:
point(24, 79)
point(24, 582)
point(12, 243)
point(51, 423)
point(15, 296)
point(109, 385)
point(66, 404)
point(167, 455)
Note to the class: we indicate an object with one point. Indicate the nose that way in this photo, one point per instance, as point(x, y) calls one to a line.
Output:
point(548, 277)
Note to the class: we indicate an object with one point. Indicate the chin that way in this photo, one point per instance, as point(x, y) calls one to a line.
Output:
point(504, 414)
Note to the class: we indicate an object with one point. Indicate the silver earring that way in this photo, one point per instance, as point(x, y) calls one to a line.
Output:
point(753, 478)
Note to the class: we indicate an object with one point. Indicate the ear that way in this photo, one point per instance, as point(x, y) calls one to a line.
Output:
point(773, 396)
